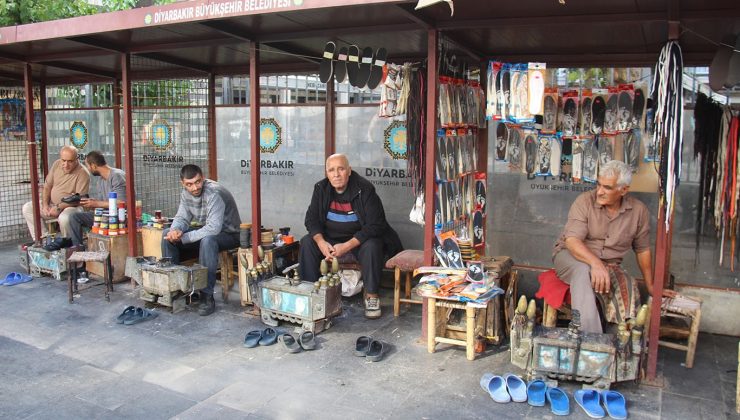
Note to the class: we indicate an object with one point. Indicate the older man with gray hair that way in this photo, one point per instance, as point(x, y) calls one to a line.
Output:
point(603, 224)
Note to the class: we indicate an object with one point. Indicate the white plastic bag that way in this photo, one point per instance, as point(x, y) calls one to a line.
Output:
point(417, 211)
point(351, 282)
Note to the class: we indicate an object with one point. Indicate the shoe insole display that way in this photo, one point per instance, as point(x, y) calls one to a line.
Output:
point(522, 97)
point(632, 149)
point(491, 96)
point(638, 108)
point(570, 116)
point(585, 115)
point(502, 140)
point(606, 149)
point(611, 114)
point(366, 65)
point(478, 228)
point(340, 68)
point(590, 160)
point(577, 161)
point(505, 93)
point(452, 250)
point(440, 252)
point(499, 95)
point(544, 153)
point(536, 90)
point(441, 159)
point(555, 154)
point(353, 65)
point(513, 97)
point(549, 117)
point(480, 194)
point(514, 149)
point(598, 113)
point(326, 67)
point(566, 156)
point(376, 71)
point(530, 147)
point(625, 111)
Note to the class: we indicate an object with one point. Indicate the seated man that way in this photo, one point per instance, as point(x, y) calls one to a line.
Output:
point(211, 206)
point(603, 224)
point(66, 177)
point(114, 180)
point(346, 215)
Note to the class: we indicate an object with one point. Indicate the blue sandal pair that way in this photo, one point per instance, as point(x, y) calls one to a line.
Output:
point(13, 278)
point(591, 401)
point(538, 392)
point(504, 389)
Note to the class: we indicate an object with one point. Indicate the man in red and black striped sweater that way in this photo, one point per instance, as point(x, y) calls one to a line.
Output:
point(346, 215)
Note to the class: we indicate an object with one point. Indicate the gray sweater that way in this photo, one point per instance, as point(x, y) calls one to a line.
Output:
point(215, 209)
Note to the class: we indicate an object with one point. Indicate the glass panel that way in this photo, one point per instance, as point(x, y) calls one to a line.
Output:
point(288, 173)
point(360, 134)
point(99, 126)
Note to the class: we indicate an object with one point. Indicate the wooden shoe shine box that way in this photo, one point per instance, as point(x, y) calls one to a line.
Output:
point(281, 298)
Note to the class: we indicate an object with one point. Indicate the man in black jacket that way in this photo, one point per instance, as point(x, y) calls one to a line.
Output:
point(346, 215)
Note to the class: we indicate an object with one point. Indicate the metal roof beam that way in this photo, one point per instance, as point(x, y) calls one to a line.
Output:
point(98, 43)
point(427, 24)
point(166, 46)
point(12, 76)
point(12, 57)
point(336, 32)
point(180, 62)
point(82, 69)
point(69, 55)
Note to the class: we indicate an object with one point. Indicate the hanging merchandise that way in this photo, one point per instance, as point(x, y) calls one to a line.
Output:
point(326, 67)
point(340, 66)
point(611, 114)
point(606, 149)
point(544, 154)
point(504, 91)
point(531, 146)
point(521, 92)
point(390, 91)
point(667, 95)
point(566, 156)
point(536, 80)
point(598, 110)
point(632, 148)
point(625, 105)
point(502, 140)
point(480, 191)
point(585, 126)
point(590, 160)
point(638, 107)
point(568, 113)
point(415, 123)
point(550, 111)
point(494, 67)
point(577, 160)
point(515, 148)
point(556, 153)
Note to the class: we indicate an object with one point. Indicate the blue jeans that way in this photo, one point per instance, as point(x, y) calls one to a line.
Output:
point(208, 249)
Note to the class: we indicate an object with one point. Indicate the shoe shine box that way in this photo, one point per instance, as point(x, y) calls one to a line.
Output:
point(48, 263)
point(296, 301)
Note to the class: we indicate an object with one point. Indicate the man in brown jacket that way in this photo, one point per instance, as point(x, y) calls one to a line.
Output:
point(66, 177)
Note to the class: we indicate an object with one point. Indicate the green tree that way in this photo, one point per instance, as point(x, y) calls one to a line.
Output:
point(18, 12)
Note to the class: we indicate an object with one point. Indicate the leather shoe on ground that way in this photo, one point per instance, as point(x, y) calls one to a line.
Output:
point(372, 307)
point(207, 305)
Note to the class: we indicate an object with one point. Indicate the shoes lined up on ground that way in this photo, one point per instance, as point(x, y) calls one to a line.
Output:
point(294, 344)
point(133, 315)
point(367, 347)
point(372, 307)
point(510, 387)
point(266, 337)
point(13, 278)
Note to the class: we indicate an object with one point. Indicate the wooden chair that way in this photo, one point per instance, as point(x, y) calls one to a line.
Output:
point(405, 262)
point(228, 273)
point(680, 317)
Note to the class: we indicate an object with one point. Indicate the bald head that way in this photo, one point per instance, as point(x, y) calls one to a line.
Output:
point(68, 156)
point(338, 171)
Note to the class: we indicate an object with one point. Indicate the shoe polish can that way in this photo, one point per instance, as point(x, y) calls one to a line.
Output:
point(112, 203)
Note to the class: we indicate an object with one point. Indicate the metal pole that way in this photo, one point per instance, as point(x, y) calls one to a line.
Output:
point(254, 144)
point(431, 134)
point(330, 140)
point(212, 152)
point(44, 149)
point(662, 262)
point(31, 141)
point(129, 145)
point(117, 123)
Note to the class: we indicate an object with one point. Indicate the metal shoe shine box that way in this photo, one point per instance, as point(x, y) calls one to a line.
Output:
point(289, 300)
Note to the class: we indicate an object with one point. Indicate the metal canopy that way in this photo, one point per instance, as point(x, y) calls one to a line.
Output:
point(178, 41)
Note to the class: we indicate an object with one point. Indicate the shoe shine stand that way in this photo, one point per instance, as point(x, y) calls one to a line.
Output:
point(165, 283)
point(311, 305)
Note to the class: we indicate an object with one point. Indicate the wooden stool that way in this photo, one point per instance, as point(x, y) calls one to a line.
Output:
point(438, 331)
point(404, 262)
point(228, 274)
point(52, 226)
point(686, 310)
point(90, 256)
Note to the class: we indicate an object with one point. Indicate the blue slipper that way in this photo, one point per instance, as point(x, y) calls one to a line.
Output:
point(536, 393)
point(269, 337)
point(516, 387)
point(559, 402)
point(9, 277)
point(140, 315)
point(252, 339)
point(589, 400)
point(615, 404)
point(18, 278)
point(495, 386)
point(128, 312)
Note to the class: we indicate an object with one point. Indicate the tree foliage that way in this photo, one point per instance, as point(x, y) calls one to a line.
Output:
point(16, 12)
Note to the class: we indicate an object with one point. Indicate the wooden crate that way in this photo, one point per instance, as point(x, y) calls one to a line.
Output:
point(118, 248)
point(151, 239)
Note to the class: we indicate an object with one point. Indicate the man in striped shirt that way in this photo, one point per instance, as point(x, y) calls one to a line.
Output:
point(347, 216)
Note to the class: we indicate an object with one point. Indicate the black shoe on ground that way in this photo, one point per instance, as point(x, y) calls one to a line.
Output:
point(207, 305)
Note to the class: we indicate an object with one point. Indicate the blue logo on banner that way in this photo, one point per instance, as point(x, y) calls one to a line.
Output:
point(271, 135)
point(395, 140)
point(160, 135)
point(78, 134)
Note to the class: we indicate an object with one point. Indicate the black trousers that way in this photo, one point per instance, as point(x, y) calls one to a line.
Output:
point(369, 254)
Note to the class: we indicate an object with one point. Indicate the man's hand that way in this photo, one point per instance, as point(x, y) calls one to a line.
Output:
point(174, 235)
point(53, 212)
point(600, 280)
point(340, 249)
point(90, 203)
point(327, 249)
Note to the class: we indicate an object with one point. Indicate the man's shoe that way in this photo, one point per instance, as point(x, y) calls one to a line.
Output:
point(207, 305)
point(372, 307)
